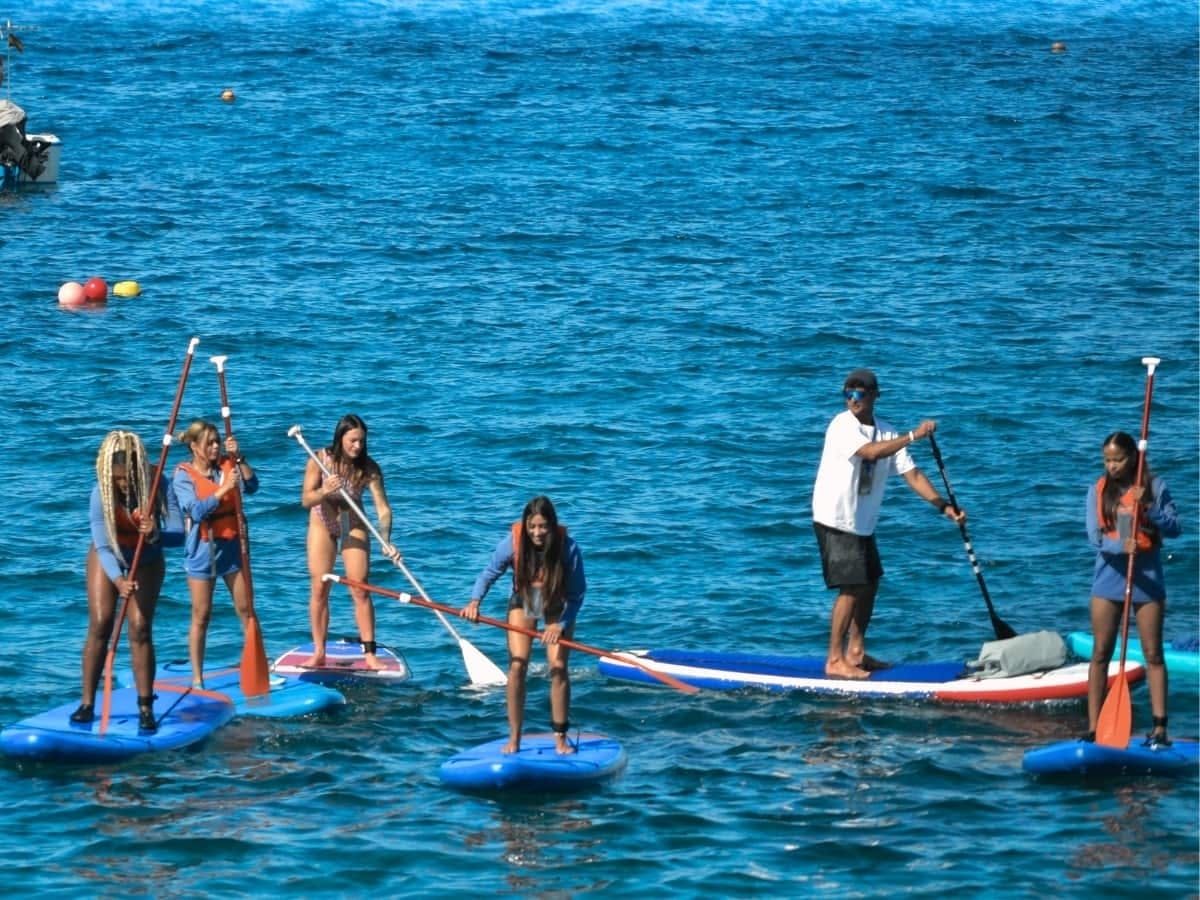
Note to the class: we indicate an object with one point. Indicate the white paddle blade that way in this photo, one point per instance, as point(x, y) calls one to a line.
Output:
point(481, 670)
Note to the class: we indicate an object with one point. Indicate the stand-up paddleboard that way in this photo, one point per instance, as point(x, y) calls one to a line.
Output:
point(1087, 758)
point(288, 696)
point(938, 681)
point(537, 766)
point(53, 737)
point(1181, 656)
point(344, 664)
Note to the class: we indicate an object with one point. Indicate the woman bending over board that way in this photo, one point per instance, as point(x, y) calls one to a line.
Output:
point(331, 520)
point(548, 582)
point(1110, 508)
point(118, 519)
point(203, 487)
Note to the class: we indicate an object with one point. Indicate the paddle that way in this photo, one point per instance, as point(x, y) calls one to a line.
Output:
point(436, 607)
point(255, 676)
point(1116, 715)
point(480, 669)
point(1002, 629)
point(106, 705)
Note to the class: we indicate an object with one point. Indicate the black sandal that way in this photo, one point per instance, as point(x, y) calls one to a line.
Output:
point(84, 715)
point(146, 722)
point(1158, 734)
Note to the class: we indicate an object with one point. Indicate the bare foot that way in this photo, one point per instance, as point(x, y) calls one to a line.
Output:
point(372, 662)
point(316, 661)
point(866, 661)
point(562, 745)
point(511, 747)
point(842, 669)
point(198, 683)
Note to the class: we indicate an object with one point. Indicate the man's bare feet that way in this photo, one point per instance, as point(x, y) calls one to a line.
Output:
point(511, 747)
point(372, 662)
point(867, 662)
point(316, 661)
point(840, 668)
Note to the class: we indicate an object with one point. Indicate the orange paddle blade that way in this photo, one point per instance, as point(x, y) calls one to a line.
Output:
point(1115, 724)
point(255, 673)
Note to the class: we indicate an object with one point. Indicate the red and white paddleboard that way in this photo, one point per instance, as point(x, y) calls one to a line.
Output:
point(936, 681)
point(344, 664)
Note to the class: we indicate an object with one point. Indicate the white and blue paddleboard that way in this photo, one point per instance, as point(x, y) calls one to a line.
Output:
point(537, 766)
point(344, 664)
point(1182, 656)
point(1087, 758)
point(288, 696)
point(52, 737)
point(946, 682)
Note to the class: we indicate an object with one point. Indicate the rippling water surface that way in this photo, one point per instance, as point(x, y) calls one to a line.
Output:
point(620, 253)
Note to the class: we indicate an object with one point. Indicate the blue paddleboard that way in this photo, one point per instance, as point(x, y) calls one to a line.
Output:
point(53, 737)
point(1181, 656)
point(344, 664)
point(537, 766)
point(287, 697)
point(1086, 758)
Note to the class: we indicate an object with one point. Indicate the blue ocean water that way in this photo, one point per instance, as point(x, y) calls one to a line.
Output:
point(623, 254)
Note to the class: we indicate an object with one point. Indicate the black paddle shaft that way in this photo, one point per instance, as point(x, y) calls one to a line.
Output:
point(1002, 629)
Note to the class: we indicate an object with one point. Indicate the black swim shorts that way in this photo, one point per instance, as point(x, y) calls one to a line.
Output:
point(847, 559)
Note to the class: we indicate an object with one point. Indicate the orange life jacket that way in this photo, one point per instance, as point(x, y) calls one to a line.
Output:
point(1147, 536)
point(222, 521)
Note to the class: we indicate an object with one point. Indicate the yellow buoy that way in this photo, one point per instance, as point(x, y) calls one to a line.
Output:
point(126, 289)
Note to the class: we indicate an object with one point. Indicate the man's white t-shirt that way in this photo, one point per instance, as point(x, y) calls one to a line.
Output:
point(836, 498)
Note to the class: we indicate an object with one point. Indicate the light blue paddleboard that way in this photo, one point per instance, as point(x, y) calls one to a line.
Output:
point(52, 737)
point(537, 766)
point(1181, 656)
point(1087, 758)
point(287, 696)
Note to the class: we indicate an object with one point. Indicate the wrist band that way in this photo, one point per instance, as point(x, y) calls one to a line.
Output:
point(942, 506)
point(239, 459)
point(911, 439)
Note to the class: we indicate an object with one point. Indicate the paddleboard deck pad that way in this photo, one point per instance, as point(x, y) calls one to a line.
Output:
point(344, 664)
point(937, 681)
point(537, 766)
point(1182, 656)
point(1085, 758)
point(53, 737)
point(288, 696)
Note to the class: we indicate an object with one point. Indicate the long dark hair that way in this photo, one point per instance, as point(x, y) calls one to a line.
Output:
point(547, 562)
point(362, 468)
point(1115, 487)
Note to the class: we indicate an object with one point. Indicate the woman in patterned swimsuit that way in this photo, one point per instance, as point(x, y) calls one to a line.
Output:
point(331, 520)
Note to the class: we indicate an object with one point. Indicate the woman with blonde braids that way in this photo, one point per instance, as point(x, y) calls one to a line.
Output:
point(119, 517)
point(203, 488)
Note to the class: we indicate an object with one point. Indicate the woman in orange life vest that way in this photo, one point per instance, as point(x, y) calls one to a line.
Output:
point(1109, 522)
point(117, 518)
point(212, 547)
point(548, 581)
point(331, 519)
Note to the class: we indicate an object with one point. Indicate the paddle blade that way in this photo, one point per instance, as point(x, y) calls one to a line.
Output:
point(481, 670)
point(1116, 715)
point(254, 674)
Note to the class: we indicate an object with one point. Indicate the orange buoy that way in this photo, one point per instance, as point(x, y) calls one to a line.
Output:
point(1058, 47)
point(228, 95)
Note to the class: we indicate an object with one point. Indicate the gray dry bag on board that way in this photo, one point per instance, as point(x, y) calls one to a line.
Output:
point(1034, 652)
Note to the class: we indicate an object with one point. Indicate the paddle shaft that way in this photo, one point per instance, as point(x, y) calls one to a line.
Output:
point(479, 667)
point(106, 706)
point(243, 530)
point(1002, 629)
point(1115, 721)
point(507, 626)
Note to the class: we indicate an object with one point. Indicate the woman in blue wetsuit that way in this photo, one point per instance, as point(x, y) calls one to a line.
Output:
point(212, 548)
point(1110, 506)
point(118, 518)
point(549, 584)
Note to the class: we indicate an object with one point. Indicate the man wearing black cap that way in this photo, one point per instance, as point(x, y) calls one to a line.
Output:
point(860, 452)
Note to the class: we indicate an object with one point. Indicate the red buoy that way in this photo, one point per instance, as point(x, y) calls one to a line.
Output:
point(95, 290)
